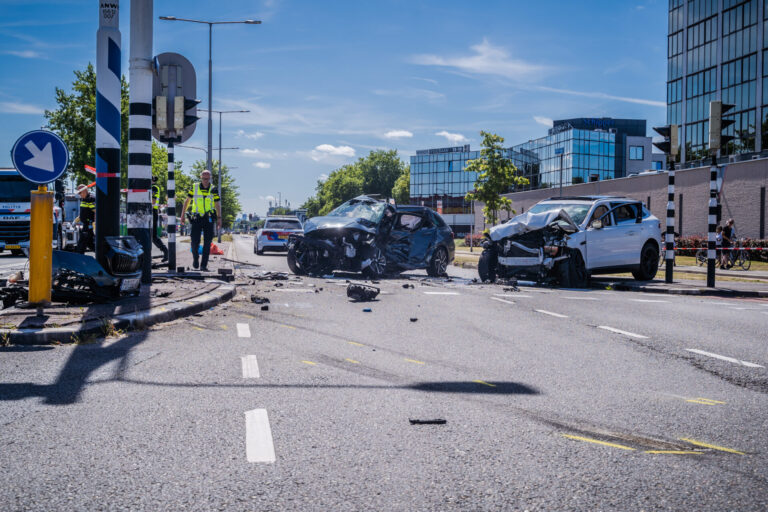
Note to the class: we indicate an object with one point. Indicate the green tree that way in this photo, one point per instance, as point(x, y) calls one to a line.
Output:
point(74, 120)
point(230, 200)
point(496, 175)
point(402, 189)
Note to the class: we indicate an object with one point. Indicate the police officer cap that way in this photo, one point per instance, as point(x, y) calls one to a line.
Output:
point(81, 188)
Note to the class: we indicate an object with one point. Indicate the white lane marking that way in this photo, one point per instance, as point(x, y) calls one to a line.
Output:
point(538, 291)
point(725, 358)
point(441, 293)
point(650, 300)
point(625, 333)
point(513, 295)
point(581, 298)
point(258, 437)
point(250, 367)
point(243, 331)
point(720, 303)
point(558, 315)
point(747, 309)
point(502, 300)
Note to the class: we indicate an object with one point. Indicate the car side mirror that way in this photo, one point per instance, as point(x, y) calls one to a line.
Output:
point(596, 224)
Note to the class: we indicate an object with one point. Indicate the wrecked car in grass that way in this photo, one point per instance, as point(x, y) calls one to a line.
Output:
point(373, 237)
point(565, 240)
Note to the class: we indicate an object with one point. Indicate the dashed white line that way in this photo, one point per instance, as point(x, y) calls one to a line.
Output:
point(243, 331)
point(650, 300)
point(502, 300)
point(258, 437)
point(441, 293)
point(580, 298)
point(724, 358)
point(250, 367)
point(512, 295)
point(545, 312)
point(720, 303)
point(625, 333)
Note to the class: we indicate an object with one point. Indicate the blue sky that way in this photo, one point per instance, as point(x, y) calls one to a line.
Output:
point(327, 82)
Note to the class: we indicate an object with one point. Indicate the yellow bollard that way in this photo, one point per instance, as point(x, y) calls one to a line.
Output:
point(40, 246)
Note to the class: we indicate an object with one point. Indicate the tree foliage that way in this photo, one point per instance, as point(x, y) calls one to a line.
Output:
point(160, 172)
point(373, 174)
point(496, 175)
point(230, 195)
point(74, 120)
point(401, 191)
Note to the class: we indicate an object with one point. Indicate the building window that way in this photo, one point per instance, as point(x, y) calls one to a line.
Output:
point(636, 153)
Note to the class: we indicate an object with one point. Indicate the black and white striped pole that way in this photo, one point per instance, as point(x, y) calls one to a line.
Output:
point(139, 202)
point(171, 211)
point(670, 146)
point(716, 142)
point(108, 112)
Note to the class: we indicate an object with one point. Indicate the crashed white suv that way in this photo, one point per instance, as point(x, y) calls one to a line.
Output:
point(565, 240)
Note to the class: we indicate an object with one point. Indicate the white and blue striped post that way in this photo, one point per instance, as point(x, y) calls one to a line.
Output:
point(171, 212)
point(107, 126)
point(711, 240)
point(670, 234)
point(139, 204)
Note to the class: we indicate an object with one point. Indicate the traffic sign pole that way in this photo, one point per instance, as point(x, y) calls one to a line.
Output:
point(40, 246)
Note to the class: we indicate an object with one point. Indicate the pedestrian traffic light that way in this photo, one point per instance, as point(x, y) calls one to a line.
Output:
point(717, 125)
point(182, 119)
point(160, 113)
point(670, 145)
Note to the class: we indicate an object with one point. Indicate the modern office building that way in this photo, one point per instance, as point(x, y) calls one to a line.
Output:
point(574, 151)
point(716, 50)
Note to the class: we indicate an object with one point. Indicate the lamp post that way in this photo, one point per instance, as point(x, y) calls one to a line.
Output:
point(210, 24)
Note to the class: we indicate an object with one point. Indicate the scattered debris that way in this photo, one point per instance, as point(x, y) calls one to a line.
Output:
point(362, 292)
point(278, 285)
point(259, 300)
point(270, 276)
point(407, 285)
point(367, 310)
point(414, 319)
point(265, 308)
point(241, 262)
point(16, 277)
point(436, 421)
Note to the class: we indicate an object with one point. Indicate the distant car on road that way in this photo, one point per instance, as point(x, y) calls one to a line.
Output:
point(567, 239)
point(273, 236)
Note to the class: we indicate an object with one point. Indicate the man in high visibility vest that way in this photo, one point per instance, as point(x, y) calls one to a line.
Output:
point(205, 210)
point(87, 216)
point(155, 205)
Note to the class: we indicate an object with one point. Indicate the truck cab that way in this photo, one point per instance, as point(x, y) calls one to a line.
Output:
point(15, 212)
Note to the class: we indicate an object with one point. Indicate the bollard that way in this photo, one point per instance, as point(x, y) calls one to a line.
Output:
point(670, 235)
point(40, 246)
point(711, 241)
point(171, 211)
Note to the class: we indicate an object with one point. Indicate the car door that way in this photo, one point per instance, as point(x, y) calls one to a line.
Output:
point(629, 232)
point(600, 251)
point(408, 239)
point(422, 241)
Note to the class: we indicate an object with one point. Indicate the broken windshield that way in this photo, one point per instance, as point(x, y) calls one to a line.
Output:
point(359, 210)
point(576, 211)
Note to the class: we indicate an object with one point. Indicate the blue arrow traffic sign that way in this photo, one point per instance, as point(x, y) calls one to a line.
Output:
point(40, 156)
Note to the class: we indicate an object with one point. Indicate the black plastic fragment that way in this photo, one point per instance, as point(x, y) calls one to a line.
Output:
point(362, 292)
point(414, 319)
point(367, 310)
point(265, 308)
point(436, 421)
point(259, 300)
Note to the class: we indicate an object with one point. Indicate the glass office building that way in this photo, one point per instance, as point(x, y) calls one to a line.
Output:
point(718, 50)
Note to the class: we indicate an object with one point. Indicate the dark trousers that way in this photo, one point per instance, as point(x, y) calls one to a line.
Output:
point(156, 239)
point(202, 225)
point(86, 240)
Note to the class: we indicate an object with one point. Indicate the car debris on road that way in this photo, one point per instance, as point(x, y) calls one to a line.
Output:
point(362, 292)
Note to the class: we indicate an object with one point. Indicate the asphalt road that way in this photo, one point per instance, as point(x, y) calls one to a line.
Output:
point(552, 400)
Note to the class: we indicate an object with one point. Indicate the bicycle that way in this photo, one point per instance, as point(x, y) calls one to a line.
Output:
point(701, 257)
point(741, 257)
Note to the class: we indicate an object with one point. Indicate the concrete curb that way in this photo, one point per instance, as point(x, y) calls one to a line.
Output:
point(125, 321)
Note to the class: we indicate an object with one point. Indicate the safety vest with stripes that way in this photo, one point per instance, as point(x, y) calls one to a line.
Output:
point(202, 199)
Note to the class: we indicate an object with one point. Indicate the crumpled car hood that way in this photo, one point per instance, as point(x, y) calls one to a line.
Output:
point(531, 222)
point(323, 223)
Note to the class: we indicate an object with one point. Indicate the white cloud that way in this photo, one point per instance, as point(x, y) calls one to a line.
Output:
point(452, 137)
point(487, 60)
point(24, 54)
point(250, 152)
point(268, 198)
point(397, 134)
point(412, 93)
point(252, 136)
point(325, 150)
point(602, 95)
point(7, 107)
point(323, 177)
point(262, 165)
point(543, 121)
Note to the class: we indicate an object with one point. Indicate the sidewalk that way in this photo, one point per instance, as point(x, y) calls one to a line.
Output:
point(166, 299)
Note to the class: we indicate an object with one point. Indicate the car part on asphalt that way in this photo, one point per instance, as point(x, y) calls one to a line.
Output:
point(414, 319)
point(436, 421)
point(259, 300)
point(362, 292)
point(373, 237)
point(367, 310)
point(265, 308)
point(12, 295)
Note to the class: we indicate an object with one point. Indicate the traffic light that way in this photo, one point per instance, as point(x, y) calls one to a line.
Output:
point(160, 113)
point(670, 145)
point(182, 119)
point(717, 125)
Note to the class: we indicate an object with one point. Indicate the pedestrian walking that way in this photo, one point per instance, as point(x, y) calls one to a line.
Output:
point(87, 216)
point(205, 210)
point(728, 234)
point(719, 244)
point(155, 206)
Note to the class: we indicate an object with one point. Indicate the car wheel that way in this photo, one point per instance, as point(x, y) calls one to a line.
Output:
point(293, 261)
point(573, 271)
point(649, 263)
point(486, 267)
point(378, 266)
point(438, 267)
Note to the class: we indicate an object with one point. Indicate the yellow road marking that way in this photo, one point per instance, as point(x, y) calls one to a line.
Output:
point(162, 309)
point(310, 363)
point(485, 383)
point(355, 343)
point(414, 361)
point(702, 402)
point(352, 361)
point(198, 328)
point(288, 326)
point(249, 316)
point(709, 400)
point(596, 441)
point(223, 327)
point(673, 452)
point(713, 446)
